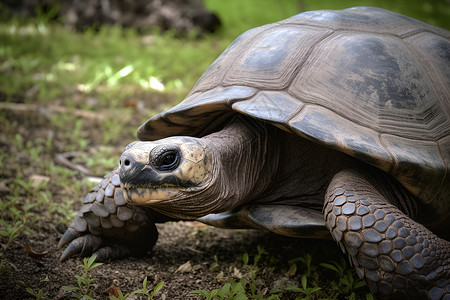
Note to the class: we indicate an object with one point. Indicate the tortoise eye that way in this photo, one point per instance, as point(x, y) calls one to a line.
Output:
point(169, 160)
point(165, 159)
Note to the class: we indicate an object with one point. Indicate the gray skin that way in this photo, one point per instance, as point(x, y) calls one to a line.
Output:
point(327, 124)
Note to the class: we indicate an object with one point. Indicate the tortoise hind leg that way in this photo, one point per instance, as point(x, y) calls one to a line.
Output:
point(397, 256)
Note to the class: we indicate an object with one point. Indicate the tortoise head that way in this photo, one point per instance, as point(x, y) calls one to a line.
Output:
point(166, 173)
point(186, 177)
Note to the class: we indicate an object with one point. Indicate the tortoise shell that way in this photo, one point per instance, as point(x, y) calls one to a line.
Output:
point(366, 81)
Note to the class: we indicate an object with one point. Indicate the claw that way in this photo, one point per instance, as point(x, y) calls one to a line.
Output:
point(70, 235)
point(73, 248)
point(84, 245)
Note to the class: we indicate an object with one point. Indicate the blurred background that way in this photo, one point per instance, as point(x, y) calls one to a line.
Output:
point(95, 48)
point(238, 15)
point(148, 45)
point(76, 80)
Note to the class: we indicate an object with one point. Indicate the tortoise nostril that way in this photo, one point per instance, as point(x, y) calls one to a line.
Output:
point(126, 161)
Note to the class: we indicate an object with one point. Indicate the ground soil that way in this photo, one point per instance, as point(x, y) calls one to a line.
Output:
point(179, 243)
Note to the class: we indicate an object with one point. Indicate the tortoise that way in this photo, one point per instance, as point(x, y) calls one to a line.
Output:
point(326, 124)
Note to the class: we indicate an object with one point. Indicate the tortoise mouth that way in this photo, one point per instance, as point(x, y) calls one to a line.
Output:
point(148, 195)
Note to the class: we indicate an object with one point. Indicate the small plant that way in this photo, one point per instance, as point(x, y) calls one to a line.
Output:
point(215, 264)
point(230, 290)
point(260, 252)
point(143, 291)
point(84, 288)
point(38, 295)
point(235, 290)
point(14, 217)
point(100, 159)
point(11, 227)
point(307, 291)
point(306, 259)
point(348, 282)
point(10, 232)
point(248, 287)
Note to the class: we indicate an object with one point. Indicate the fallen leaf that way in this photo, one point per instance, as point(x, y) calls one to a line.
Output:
point(185, 268)
point(236, 273)
point(34, 254)
point(19, 207)
point(130, 104)
point(38, 179)
point(4, 187)
point(113, 291)
point(220, 277)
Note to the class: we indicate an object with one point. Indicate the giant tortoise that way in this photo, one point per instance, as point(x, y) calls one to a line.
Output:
point(328, 123)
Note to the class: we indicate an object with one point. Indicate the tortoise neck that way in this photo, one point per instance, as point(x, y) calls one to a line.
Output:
point(244, 160)
point(256, 162)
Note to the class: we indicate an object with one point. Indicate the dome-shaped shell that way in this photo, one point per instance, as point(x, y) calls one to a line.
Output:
point(368, 82)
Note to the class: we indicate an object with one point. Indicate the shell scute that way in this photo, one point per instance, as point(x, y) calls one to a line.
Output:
point(275, 107)
point(197, 108)
point(219, 68)
point(435, 50)
point(384, 88)
point(320, 124)
point(274, 57)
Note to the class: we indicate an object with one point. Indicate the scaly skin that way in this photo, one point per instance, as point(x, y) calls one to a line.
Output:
point(108, 227)
point(398, 257)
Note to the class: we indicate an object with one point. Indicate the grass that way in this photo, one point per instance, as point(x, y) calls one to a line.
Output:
point(303, 279)
point(144, 291)
point(85, 288)
point(112, 64)
point(88, 92)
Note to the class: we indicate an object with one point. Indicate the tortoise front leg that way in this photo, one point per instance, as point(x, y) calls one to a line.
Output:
point(397, 256)
point(108, 227)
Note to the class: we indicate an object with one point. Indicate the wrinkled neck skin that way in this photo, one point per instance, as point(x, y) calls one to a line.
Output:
point(255, 162)
point(244, 161)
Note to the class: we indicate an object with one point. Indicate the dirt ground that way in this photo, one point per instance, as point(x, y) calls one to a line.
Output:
point(179, 243)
